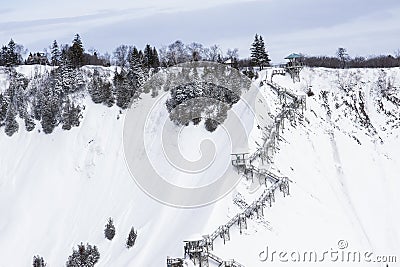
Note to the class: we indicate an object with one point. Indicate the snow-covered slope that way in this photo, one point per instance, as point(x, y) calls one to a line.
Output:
point(344, 172)
point(58, 190)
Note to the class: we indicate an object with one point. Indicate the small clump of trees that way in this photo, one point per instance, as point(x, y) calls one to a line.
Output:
point(207, 95)
point(38, 261)
point(85, 255)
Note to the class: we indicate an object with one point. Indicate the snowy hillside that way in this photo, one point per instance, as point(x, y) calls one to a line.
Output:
point(343, 159)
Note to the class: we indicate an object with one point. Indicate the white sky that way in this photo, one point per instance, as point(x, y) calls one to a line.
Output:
point(315, 27)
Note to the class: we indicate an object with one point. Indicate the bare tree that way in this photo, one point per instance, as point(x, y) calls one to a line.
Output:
point(213, 52)
point(177, 53)
point(196, 51)
point(233, 53)
point(121, 55)
point(397, 53)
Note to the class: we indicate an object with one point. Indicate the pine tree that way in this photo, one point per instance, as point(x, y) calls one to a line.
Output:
point(259, 55)
point(11, 125)
point(255, 50)
point(78, 81)
point(71, 115)
point(12, 57)
point(66, 116)
point(130, 242)
point(136, 73)
point(55, 54)
point(94, 88)
point(3, 107)
point(38, 261)
point(155, 60)
point(109, 231)
point(264, 57)
point(122, 89)
point(148, 57)
point(76, 52)
point(75, 115)
point(50, 107)
point(107, 93)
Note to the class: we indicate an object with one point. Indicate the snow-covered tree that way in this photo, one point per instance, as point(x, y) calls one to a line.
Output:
point(130, 242)
point(12, 54)
point(259, 54)
point(3, 107)
point(122, 89)
point(10, 123)
point(38, 261)
point(211, 124)
point(71, 115)
point(84, 256)
point(109, 231)
point(29, 123)
point(55, 54)
point(136, 71)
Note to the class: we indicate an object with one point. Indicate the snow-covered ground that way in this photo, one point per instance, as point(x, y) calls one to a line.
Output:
point(59, 190)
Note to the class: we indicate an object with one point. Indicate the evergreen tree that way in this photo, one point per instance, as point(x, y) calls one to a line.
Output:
point(38, 261)
point(94, 88)
point(343, 56)
point(211, 124)
point(136, 73)
point(65, 79)
point(76, 115)
point(155, 60)
point(78, 81)
point(148, 57)
point(55, 54)
point(3, 107)
point(100, 89)
point(50, 107)
point(107, 93)
point(71, 115)
point(109, 231)
point(255, 50)
point(29, 123)
point(66, 116)
point(3, 56)
point(13, 58)
point(259, 55)
point(84, 256)
point(11, 125)
point(264, 57)
point(122, 89)
point(130, 242)
point(76, 52)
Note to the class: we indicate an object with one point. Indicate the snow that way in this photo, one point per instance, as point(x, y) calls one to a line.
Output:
point(59, 190)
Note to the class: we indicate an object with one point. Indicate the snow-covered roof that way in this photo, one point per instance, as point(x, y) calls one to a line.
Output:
point(293, 55)
point(228, 61)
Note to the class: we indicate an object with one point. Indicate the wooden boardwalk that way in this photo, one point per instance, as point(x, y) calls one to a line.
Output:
point(199, 250)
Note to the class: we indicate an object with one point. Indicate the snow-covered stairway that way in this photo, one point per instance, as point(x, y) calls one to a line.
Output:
point(199, 250)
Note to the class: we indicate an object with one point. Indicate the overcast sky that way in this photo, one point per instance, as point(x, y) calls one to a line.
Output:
point(313, 27)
